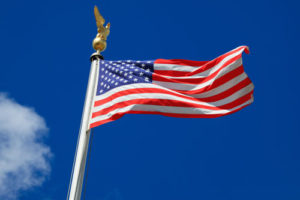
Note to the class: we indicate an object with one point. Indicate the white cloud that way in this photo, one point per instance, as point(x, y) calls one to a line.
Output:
point(24, 159)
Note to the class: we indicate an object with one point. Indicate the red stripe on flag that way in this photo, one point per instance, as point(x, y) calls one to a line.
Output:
point(119, 115)
point(181, 62)
point(216, 83)
point(158, 77)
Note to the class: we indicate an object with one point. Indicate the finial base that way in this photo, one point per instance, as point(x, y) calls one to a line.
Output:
point(96, 56)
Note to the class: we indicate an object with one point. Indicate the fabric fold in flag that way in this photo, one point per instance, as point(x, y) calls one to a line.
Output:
point(175, 88)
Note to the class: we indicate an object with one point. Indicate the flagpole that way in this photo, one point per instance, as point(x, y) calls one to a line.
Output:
point(77, 176)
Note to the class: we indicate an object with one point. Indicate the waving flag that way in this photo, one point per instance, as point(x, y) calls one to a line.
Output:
point(176, 88)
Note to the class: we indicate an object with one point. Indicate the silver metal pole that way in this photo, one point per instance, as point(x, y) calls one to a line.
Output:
point(84, 133)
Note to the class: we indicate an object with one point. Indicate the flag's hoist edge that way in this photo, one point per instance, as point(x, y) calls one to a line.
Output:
point(176, 88)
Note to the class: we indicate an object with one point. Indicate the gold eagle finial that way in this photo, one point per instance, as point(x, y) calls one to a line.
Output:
point(99, 43)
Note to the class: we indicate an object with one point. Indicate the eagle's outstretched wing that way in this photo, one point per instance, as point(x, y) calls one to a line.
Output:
point(99, 19)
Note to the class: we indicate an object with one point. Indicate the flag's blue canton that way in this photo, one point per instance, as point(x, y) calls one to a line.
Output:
point(114, 74)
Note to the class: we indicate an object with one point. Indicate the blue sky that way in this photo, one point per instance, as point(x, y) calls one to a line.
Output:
point(252, 154)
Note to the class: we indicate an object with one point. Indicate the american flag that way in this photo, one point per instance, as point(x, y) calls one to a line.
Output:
point(176, 88)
